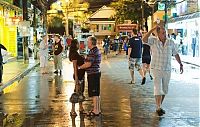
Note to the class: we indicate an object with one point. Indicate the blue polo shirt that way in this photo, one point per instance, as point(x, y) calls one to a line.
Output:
point(94, 57)
point(136, 44)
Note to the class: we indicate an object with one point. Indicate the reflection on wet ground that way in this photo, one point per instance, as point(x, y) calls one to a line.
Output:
point(43, 101)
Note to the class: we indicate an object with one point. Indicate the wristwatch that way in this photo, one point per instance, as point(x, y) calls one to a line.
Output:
point(181, 64)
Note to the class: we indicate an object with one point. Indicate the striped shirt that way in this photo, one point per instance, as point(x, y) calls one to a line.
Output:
point(94, 57)
point(161, 55)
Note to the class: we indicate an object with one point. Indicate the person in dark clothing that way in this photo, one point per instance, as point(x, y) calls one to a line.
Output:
point(106, 45)
point(79, 74)
point(135, 56)
point(58, 48)
point(1, 63)
point(92, 66)
point(146, 59)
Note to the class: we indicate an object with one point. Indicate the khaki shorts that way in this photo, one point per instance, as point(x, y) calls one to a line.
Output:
point(135, 63)
point(161, 81)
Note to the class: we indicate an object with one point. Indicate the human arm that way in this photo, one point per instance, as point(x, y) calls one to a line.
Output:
point(146, 36)
point(53, 47)
point(129, 52)
point(75, 70)
point(85, 65)
point(63, 47)
point(3, 47)
point(178, 59)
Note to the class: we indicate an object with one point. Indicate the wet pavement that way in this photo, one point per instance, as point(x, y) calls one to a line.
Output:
point(36, 101)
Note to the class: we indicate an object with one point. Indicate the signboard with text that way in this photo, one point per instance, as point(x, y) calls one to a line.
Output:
point(24, 28)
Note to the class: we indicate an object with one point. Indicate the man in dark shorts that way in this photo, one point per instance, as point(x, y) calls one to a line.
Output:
point(92, 66)
point(146, 59)
point(135, 57)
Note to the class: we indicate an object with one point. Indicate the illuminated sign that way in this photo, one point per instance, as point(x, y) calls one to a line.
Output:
point(161, 6)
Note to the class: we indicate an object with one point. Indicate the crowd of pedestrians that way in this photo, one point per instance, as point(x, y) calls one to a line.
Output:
point(81, 64)
point(145, 53)
point(141, 50)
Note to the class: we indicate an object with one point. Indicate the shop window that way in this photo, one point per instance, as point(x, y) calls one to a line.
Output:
point(97, 28)
point(106, 27)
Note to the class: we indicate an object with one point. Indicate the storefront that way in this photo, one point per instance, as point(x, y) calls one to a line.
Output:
point(8, 26)
point(188, 30)
point(185, 24)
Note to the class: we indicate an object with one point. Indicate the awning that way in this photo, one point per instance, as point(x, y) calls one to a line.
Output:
point(185, 17)
point(3, 3)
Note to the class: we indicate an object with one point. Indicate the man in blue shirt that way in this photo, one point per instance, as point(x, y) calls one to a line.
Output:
point(135, 56)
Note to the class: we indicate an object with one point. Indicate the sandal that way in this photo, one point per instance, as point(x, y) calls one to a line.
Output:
point(73, 113)
point(82, 112)
point(91, 113)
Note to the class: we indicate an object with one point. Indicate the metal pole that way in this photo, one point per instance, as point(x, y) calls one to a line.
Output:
point(25, 39)
point(166, 6)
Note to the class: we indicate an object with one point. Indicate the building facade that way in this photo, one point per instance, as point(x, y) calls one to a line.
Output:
point(184, 22)
point(101, 23)
point(9, 18)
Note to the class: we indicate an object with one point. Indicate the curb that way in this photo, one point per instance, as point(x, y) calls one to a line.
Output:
point(186, 62)
point(18, 77)
point(191, 63)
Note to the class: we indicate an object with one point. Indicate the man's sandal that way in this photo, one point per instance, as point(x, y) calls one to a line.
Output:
point(73, 113)
point(82, 112)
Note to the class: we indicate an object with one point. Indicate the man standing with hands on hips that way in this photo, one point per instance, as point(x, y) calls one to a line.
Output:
point(162, 50)
point(92, 66)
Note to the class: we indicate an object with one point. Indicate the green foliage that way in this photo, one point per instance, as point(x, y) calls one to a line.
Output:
point(55, 22)
point(131, 10)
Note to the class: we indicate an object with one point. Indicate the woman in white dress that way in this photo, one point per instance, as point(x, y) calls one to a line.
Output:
point(44, 54)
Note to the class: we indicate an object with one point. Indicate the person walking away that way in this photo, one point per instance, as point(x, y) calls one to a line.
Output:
point(146, 60)
point(78, 75)
point(43, 54)
point(92, 66)
point(135, 57)
point(2, 47)
point(126, 41)
point(58, 49)
point(162, 50)
point(106, 46)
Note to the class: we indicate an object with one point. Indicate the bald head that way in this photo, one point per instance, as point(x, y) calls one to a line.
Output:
point(161, 33)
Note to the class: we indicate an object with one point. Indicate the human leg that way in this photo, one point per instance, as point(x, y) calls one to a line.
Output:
point(149, 71)
point(42, 64)
point(94, 91)
point(144, 69)
point(159, 91)
point(138, 65)
point(165, 83)
point(56, 63)
point(73, 112)
point(46, 65)
point(60, 63)
point(131, 68)
point(1, 73)
point(132, 76)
